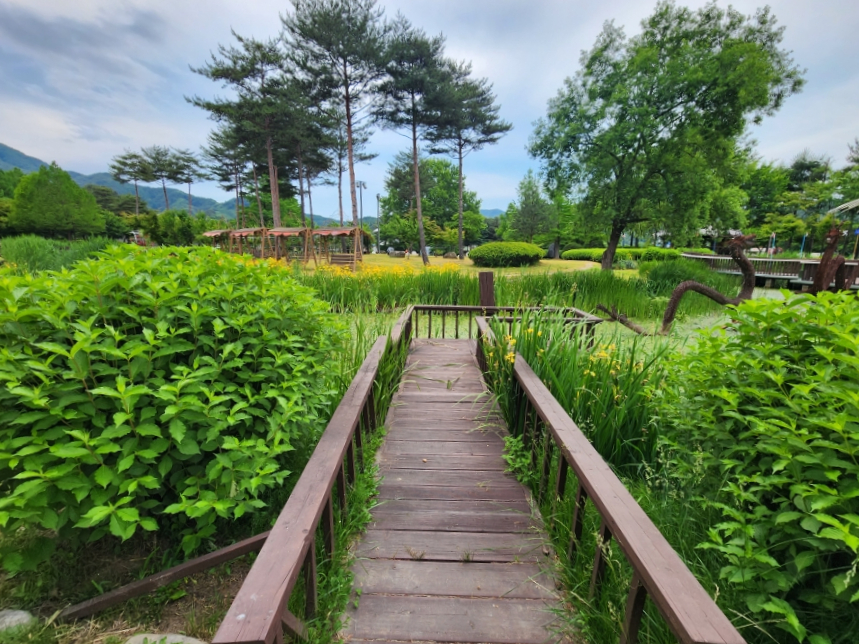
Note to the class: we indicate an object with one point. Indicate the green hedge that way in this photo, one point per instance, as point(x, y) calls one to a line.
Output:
point(154, 383)
point(645, 254)
point(498, 254)
point(698, 251)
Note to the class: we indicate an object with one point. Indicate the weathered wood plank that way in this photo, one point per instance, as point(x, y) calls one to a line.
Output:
point(451, 546)
point(447, 434)
point(482, 506)
point(442, 619)
point(467, 463)
point(437, 493)
point(452, 579)
point(438, 448)
point(454, 521)
point(442, 478)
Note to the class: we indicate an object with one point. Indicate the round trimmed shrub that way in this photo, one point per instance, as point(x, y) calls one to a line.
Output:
point(498, 254)
point(150, 383)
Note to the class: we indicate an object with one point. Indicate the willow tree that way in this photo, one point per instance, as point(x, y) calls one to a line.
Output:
point(623, 129)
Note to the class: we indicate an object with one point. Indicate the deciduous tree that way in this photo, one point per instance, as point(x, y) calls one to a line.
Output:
point(633, 128)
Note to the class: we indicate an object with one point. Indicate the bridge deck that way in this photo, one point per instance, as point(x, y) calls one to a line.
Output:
point(454, 553)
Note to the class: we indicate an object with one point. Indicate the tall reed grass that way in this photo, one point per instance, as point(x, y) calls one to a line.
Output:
point(32, 253)
point(372, 290)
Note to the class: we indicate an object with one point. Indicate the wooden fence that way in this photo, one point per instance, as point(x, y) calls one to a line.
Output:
point(658, 571)
point(800, 271)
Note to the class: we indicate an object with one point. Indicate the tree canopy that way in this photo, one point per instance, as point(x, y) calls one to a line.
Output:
point(50, 203)
point(648, 126)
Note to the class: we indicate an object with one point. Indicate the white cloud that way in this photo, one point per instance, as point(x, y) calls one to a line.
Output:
point(86, 79)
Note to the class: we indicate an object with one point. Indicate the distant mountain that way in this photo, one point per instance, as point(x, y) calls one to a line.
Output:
point(12, 158)
point(152, 195)
point(492, 213)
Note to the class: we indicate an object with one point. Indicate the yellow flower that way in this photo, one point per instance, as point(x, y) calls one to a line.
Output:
point(530, 330)
point(539, 333)
point(510, 357)
point(512, 341)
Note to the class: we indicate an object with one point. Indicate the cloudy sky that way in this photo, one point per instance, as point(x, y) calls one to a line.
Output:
point(81, 81)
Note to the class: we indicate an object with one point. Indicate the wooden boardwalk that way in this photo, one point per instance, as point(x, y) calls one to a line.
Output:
point(453, 553)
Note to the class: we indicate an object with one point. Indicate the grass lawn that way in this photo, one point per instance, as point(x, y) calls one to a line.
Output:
point(544, 266)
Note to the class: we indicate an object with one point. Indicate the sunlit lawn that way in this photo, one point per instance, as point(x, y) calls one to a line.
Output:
point(544, 266)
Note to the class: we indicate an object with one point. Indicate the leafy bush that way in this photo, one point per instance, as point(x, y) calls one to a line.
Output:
point(698, 251)
point(497, 254)
point(645, 254)
point(34, 253)
point(764, 419)
point(150, 383)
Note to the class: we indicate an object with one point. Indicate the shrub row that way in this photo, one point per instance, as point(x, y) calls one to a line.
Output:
point(500, 254)
point(647, 254)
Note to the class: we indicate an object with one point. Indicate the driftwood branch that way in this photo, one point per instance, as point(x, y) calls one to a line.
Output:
point(737, 248)
point(831, 267)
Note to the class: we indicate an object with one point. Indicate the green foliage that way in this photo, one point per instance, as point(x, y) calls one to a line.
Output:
point(9, 180)
point(647, 128)
point(532, 214)
point(763, 418)
point(49, 202)
point(177, 227)
point(663, 277)
point(603, 388)
point(5, 212)
point(644, 254)
point(149, 385)
point(498, 254)
point(698, 251)
point(33, 253)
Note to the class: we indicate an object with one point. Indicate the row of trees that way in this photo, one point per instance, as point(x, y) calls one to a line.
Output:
point(302, 106)
point(158, 163)
point(649, 131)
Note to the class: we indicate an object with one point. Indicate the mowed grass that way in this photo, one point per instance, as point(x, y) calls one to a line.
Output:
point(382, 261)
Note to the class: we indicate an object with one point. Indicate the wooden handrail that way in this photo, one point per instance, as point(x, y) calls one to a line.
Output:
point(658, 570)
point(258, 614)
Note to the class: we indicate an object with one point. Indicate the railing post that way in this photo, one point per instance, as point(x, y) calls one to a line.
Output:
point(311, 602)
point(487, 288)
point(578, 521)
point(603, 538)
point(327, 521)
point(634, 610)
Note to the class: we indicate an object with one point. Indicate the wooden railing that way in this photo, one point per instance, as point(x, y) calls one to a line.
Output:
point(454, 321)
point(658, 571)
point(259, 613)
point(779, 268)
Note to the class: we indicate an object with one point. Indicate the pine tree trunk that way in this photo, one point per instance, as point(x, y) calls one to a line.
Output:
point(301, 186)
point(461, 256)
point(272, 180)
point(259, 201)
point(614, 238)
point(166, 200)
point(421, 235)
point(136, 200)
point(189, 197)
point(340, 188)
point(352, 191)
point(310, 200)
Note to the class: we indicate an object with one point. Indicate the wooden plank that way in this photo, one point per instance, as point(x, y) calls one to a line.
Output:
point(438, 493)
point(468, 463)
point(687, 607)
point(431, 478)
point(438, 448)
point(454, 521)
point(163, 578)
point(479, 399)
point(451, 546)
point(452, 579)
point(255, 614)
point(415, 506)
point(447, 434)
point(443, 619)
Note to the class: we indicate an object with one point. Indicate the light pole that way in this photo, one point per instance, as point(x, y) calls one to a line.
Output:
point(361, 186)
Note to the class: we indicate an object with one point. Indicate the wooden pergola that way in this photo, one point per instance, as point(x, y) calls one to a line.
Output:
point(282, 234)
point(215, 235)
point(241, 241)
point(341, 259)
